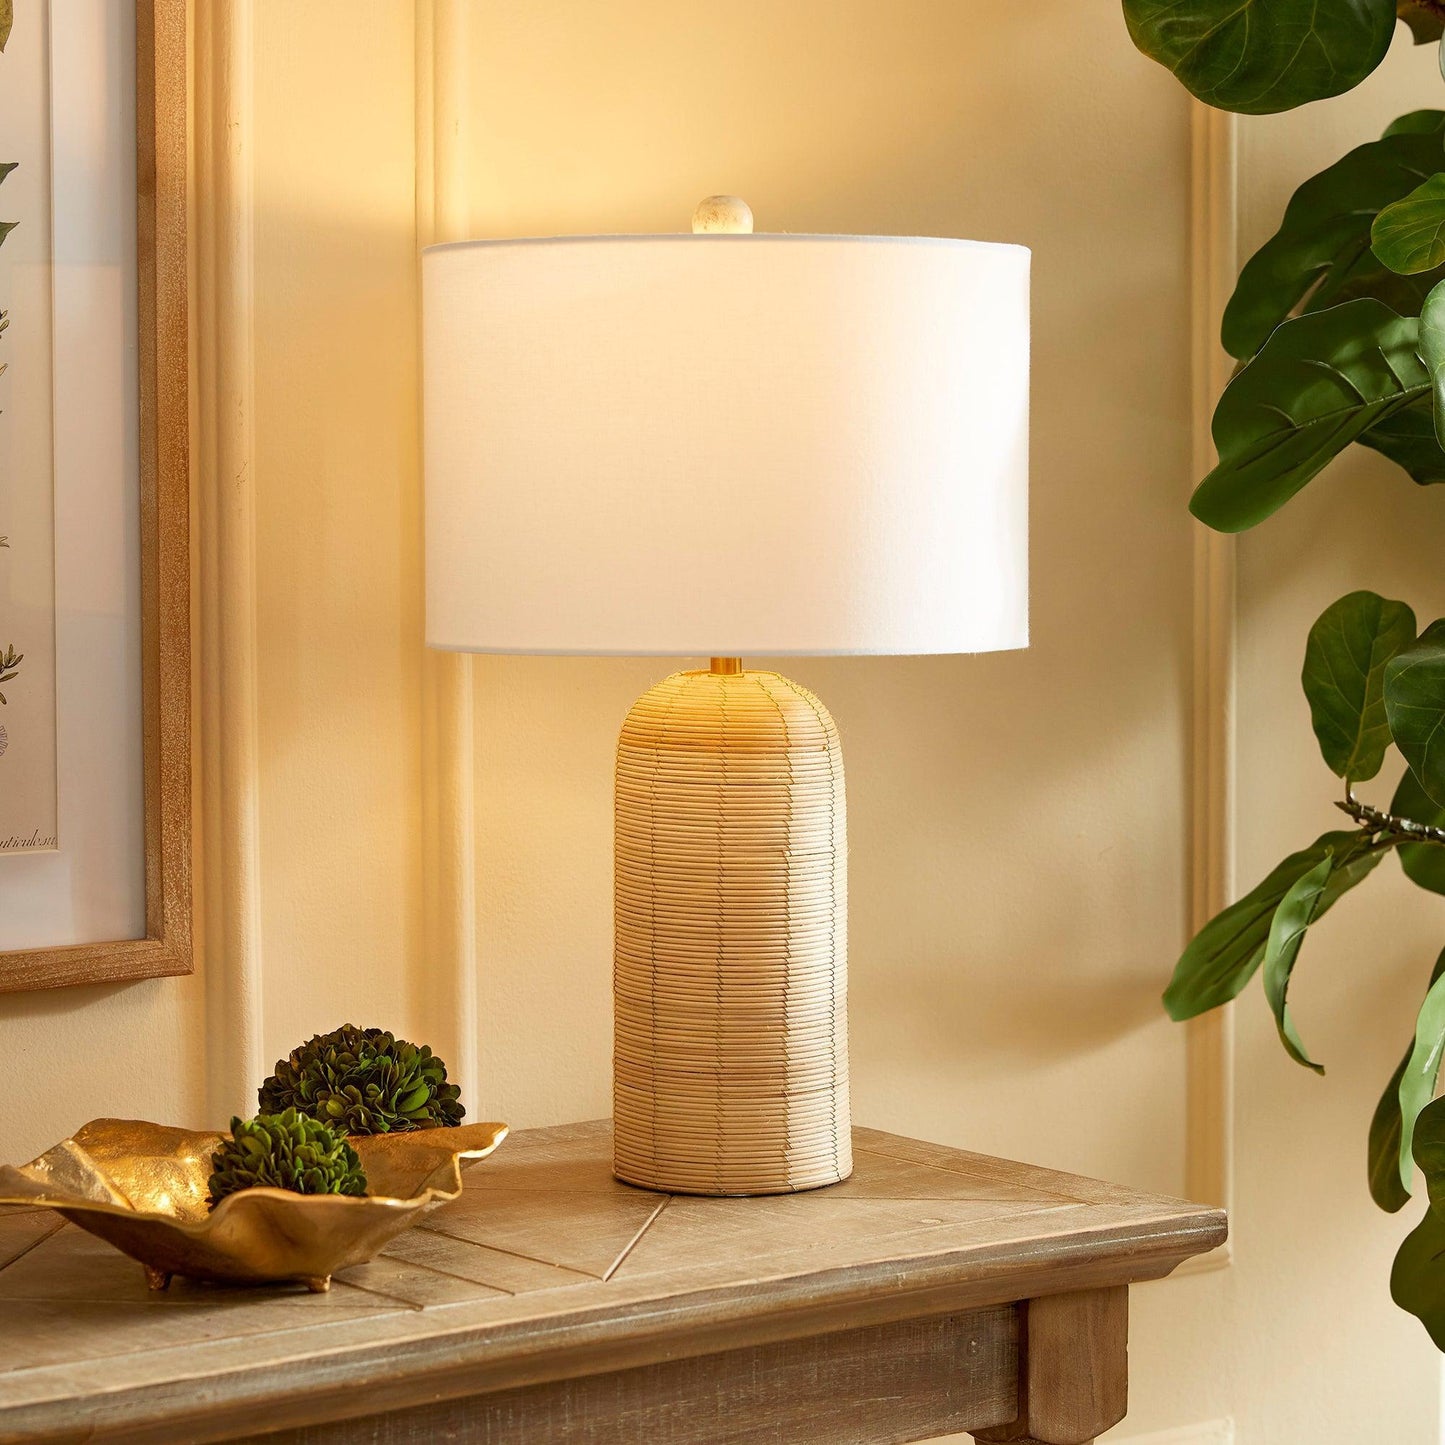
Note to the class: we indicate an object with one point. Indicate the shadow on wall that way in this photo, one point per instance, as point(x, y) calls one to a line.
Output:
point(946, 1001)
point(1016, 828)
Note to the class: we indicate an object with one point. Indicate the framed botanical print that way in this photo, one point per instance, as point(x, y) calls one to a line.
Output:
point(95, 793)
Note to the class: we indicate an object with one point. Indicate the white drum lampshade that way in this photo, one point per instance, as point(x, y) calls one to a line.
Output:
point(722, 445)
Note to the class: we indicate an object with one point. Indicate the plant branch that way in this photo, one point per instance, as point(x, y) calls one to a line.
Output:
point(1393, 827)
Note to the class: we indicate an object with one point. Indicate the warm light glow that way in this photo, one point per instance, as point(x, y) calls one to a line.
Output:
point(726, 445)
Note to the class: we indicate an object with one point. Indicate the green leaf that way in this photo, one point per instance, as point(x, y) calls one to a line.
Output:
point(1262, 56)
point(1429, 1152)
point(1415, 707)
point(1355, 859)
point(1424, 863)
point(1287, 931)
point(1417, 122)
point(1319, 383)
point(1409, 234)
point(1383, 1151)
point(1322, 248)
point(1344, 675)
point(1422, 1069)
point(1386, 1187)
point(1423, 17)
point(1224, 954)
point(6, 167)
point(1417, 1280)
point(7, 18)
point(5, 229)
point(1432, 351)
point(1407, 438)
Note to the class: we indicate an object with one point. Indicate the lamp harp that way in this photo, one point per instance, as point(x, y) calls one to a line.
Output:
point(730, 966)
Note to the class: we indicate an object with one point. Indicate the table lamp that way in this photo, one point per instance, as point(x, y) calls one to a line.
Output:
point(727, 445)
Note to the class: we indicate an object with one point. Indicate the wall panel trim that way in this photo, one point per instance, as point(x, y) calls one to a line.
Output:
point(226, 510)
point(449, 846)
point(1209, 1042)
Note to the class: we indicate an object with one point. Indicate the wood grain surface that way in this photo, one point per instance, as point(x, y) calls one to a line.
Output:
point(871, 1386)
point(548, 1273)
point(1074, 1368)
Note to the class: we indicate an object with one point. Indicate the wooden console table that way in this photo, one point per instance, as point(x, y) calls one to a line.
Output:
point(933, 1292)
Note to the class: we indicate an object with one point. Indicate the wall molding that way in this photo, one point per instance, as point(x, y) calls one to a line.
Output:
point(225, 496)
point(1209, 1040)
point(449, 834)
point(224, 484)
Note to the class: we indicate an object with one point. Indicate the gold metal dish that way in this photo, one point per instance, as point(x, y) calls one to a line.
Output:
point(143, 1188)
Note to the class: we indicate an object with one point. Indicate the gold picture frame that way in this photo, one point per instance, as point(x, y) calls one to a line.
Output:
point(161, 186)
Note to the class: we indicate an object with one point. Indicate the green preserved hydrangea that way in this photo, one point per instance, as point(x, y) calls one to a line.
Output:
point(365, 1081)
point(285, 1151)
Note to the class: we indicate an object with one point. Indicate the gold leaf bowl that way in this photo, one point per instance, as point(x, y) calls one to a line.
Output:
point(143, 1188)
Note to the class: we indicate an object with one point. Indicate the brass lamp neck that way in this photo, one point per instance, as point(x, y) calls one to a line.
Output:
point(726, 666)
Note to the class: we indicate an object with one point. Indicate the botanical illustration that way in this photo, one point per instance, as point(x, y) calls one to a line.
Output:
point(1338, 325)
point(10, 660)
point(28, 781)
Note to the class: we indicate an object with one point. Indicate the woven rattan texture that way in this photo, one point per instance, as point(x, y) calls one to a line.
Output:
point(730, 968)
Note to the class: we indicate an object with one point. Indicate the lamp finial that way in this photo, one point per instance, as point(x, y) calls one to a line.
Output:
point(722, 215)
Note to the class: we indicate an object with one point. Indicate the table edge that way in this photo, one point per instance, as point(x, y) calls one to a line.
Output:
point(391, 1373)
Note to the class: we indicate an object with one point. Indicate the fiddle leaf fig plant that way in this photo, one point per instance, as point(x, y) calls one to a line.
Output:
point(1417, 1280)
point(1263, 56)
point(1321, 254)
point(1426, 19)
point(1432, 350)
point(1338, 323)
point(1409, 236)
point(1320, 382)
point(1389, 1178)
point(1415, 707)
point(1346, 655)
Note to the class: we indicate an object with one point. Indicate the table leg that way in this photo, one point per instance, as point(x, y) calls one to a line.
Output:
point(1073, 1369)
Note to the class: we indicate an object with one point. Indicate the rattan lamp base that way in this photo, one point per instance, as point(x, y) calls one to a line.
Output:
point(730, 1061)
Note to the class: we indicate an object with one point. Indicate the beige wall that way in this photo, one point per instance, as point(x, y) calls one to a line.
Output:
point(1019, 822)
